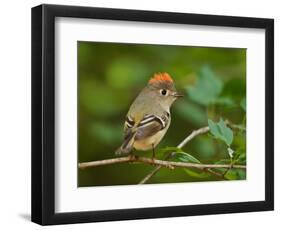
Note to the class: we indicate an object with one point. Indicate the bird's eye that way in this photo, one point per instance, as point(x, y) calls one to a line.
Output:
point(163, 92)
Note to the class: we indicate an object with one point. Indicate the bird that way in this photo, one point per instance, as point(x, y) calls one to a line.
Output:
point(149, 118)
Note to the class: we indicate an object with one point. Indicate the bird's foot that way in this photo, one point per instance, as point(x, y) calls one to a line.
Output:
point(153, 158)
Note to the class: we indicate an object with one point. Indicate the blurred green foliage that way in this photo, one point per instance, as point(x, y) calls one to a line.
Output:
point(220, 131)
point(207, 89)
point(111, 75)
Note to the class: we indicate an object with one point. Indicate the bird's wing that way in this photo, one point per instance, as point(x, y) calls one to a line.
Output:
point(150, 125)
point(128, 126)
point(129, 136)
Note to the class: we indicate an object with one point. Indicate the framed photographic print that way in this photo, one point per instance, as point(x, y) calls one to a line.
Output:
point(141, 114)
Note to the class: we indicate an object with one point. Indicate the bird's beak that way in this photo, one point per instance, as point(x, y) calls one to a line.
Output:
point(176, 94)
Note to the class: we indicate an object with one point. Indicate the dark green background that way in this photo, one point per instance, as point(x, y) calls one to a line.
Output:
point(111, 75)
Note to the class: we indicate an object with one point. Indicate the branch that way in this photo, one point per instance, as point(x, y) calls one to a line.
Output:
point(162, 163)
point(182, 144)
point(132, 158)
point(165, 163)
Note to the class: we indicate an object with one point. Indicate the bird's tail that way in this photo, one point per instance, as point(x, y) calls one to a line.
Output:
point(127, 145)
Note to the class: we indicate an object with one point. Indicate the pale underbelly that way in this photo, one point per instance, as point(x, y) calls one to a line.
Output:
point(147, 143)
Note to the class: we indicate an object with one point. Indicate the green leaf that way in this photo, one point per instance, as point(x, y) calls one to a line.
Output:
point(221, 131)
point(214, 128)
point(231, 174)
point(226, 132)
point(241, 174)
point(243, 104)
point(185, 157)
point(241, 159)
point(170, 149)
point(195, 174)
point(207, 88)
point(235, 174)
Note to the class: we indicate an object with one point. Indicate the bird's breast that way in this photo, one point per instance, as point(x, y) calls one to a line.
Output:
point(147, 143)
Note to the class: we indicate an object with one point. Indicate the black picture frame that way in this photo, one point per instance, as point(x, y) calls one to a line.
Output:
point(43, 114)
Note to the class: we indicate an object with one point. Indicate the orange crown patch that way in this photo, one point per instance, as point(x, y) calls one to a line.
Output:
point(160, 77)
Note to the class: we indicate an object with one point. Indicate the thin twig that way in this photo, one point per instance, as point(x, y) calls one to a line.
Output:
point(216, 173)
point(151, 174)
point(234, 126)
point(193, 134)
point(163, 163)
point(180, 145)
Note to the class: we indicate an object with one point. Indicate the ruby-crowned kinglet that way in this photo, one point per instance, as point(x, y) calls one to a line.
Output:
point(149, 116)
